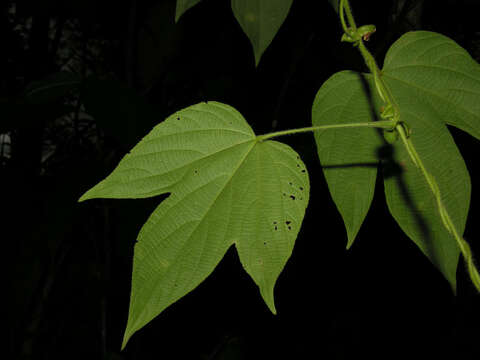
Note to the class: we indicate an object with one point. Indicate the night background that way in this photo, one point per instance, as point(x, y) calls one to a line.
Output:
point(68, 264)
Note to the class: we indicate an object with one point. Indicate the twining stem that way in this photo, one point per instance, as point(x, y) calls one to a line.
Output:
point(353, 26)
point(382, 124)
point(350, 28)
point(444, 215)
point(386, 95)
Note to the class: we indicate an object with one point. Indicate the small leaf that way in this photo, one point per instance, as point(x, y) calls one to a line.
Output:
point(348, 156)
point(260, 20)
point(435, 68)
point(225, 188)
point(182, 6)
point(52, 88)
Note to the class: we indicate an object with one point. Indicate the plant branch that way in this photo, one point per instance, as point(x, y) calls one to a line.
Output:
point(345, 6)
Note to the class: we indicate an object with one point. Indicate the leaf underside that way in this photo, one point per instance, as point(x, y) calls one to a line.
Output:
point(434, 82)
point(260, 20)
point(225, 188)
point(348, 156)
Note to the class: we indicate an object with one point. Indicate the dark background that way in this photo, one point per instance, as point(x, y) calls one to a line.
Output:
point(68, 265)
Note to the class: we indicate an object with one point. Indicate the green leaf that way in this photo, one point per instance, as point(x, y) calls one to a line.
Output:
point(260, 20)
point(427, 101)
point(52, 88)
point(226, 187)
point(348, 156)
point(182, 6)
point(443, 74)
point(435, 82)
point(408, 195)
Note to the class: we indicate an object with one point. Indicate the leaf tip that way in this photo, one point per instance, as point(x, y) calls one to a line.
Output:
point(129, 331)
point(451, 279)
point(272, 308)
point(257, 59)
point(87, 195)
point(349, 243)
point(95, 192)
point(126, 337)
point(351, 235)
point(83, 197)
point(267, 295)
point(453, 287)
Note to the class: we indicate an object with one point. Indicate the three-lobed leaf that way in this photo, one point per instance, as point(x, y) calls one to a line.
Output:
point(434, 82)
point(226, 187)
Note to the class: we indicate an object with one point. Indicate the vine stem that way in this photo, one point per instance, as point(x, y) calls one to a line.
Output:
point(444, 215)
point(388, 98)
point(382, 124)
point(345, 6)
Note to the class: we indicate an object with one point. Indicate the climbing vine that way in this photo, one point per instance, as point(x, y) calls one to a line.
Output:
point(229, 186)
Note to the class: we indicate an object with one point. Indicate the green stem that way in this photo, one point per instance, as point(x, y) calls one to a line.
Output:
point(342, 17)
point(382, 88)
point(383, 124)
point(444, 215)
point(345, 6)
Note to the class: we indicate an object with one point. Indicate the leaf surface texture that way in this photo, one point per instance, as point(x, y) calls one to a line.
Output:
point(225, 188)
point(260, 20)
point(434, 82)
point(348, 156)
